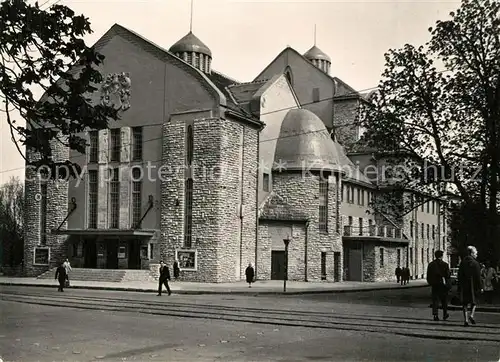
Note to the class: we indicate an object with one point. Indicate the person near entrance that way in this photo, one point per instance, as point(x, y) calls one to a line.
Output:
point(164, 278)
point(61, 276)
point(438, 277)
point(399, 274)
point(250, 274)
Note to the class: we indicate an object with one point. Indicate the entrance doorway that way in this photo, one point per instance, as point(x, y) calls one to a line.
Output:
point(353, 261)
point(323, 265)
point(111, 254)
point(89, 253)
point(134, 254)
point(277, 265)
point(336, 266)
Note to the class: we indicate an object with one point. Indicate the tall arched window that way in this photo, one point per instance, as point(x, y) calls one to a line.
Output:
point(189, 145)
point(188, 213)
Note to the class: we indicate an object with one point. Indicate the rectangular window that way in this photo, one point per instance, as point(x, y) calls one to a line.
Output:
point(381, 257)
point(92, 201)
point(94, 147)
point(43, 213)
point(433, 232)
point(411, 255)
point(342, 194)
point(360, 226)
point(315, 95)
point(114, 199)
point(137, 144)
point(428, 232)
point(359, 196)
point(151, 251)
point(433, 207)
point(399, 256)
point(428, 256)
point(323, 205)
point(428, 206)
point(136, 197)
point(422, 255)
point(348, 195)
point(362, 197)
point(422, 230)
point(265, 182)
point(411, 228)
point(115, 145)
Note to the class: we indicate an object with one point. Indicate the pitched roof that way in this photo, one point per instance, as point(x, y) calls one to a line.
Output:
point(352, 172)
point(216, 79)
point(244, 92)
point(351, 91)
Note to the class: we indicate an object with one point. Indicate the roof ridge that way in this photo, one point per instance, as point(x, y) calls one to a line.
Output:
point(252, 82)
point(226, 76)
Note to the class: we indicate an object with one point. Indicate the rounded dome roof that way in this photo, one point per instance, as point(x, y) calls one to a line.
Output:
point(305, 144)
point(316, 54)
point(190, 43)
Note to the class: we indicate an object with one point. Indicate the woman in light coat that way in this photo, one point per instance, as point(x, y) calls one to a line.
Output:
point(489, 275)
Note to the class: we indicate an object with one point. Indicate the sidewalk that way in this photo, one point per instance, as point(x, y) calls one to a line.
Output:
point(259, 287)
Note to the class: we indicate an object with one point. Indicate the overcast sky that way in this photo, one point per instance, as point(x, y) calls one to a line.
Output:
point(244, 36)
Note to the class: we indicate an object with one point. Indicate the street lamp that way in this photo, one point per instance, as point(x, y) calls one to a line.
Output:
point(286, 241)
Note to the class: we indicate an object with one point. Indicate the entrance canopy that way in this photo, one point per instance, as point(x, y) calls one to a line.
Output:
point(104, 232)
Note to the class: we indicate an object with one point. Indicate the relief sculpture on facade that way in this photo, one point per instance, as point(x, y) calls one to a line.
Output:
point(115, 91)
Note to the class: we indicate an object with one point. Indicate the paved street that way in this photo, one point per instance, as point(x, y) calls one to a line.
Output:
point(40, 324)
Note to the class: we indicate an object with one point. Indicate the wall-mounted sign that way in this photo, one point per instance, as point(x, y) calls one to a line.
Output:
point(41, 256)
point(187, 259)
point(122, 252)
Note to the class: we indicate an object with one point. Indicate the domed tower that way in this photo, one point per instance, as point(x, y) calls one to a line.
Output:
point(319, 58)
point(193, 51)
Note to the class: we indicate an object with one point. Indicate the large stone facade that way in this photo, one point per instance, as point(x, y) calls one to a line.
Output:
point(212, 204)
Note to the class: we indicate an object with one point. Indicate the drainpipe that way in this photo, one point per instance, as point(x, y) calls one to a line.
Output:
point(256, 269)
point(242, 175)
point(305, 249)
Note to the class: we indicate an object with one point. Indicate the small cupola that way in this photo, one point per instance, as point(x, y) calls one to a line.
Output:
point(320, 59)
point(193, 51)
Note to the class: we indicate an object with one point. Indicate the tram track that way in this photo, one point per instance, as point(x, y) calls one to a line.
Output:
point(411, 327)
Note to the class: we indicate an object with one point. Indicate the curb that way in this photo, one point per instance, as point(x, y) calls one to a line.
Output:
point(200, 292)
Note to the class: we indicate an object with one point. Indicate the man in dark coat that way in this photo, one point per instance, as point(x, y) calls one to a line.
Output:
point(61, 277)
point(250, 274)
point(399, 275)
point(164, 278)
point(469, 284)
point(438, 277)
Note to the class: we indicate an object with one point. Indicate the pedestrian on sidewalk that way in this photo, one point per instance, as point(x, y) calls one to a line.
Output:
point(399, 274)
point(68, 268)
point(163, 278)
point(469, 284)
point(406, 275)
point(61, 277)
point(177, 271)
point(250, 274)
point(438, 277)
point(489, 276)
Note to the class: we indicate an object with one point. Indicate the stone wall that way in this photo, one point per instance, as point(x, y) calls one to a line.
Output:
point(295, 198)
point(57, 210)
point(387, 271)
point(224, 242)
point(344, 116)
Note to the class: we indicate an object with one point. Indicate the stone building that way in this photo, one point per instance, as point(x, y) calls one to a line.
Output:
point(216, 174)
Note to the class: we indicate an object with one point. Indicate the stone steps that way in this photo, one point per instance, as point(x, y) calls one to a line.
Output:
point(97, 275)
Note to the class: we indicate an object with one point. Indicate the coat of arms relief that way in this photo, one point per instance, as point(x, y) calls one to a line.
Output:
point(115, 90)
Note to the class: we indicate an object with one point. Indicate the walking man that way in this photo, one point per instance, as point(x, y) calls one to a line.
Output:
point(399, 274)
point(61, 277)
point(438, 277)
point(469, 284)
point(164, 278)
